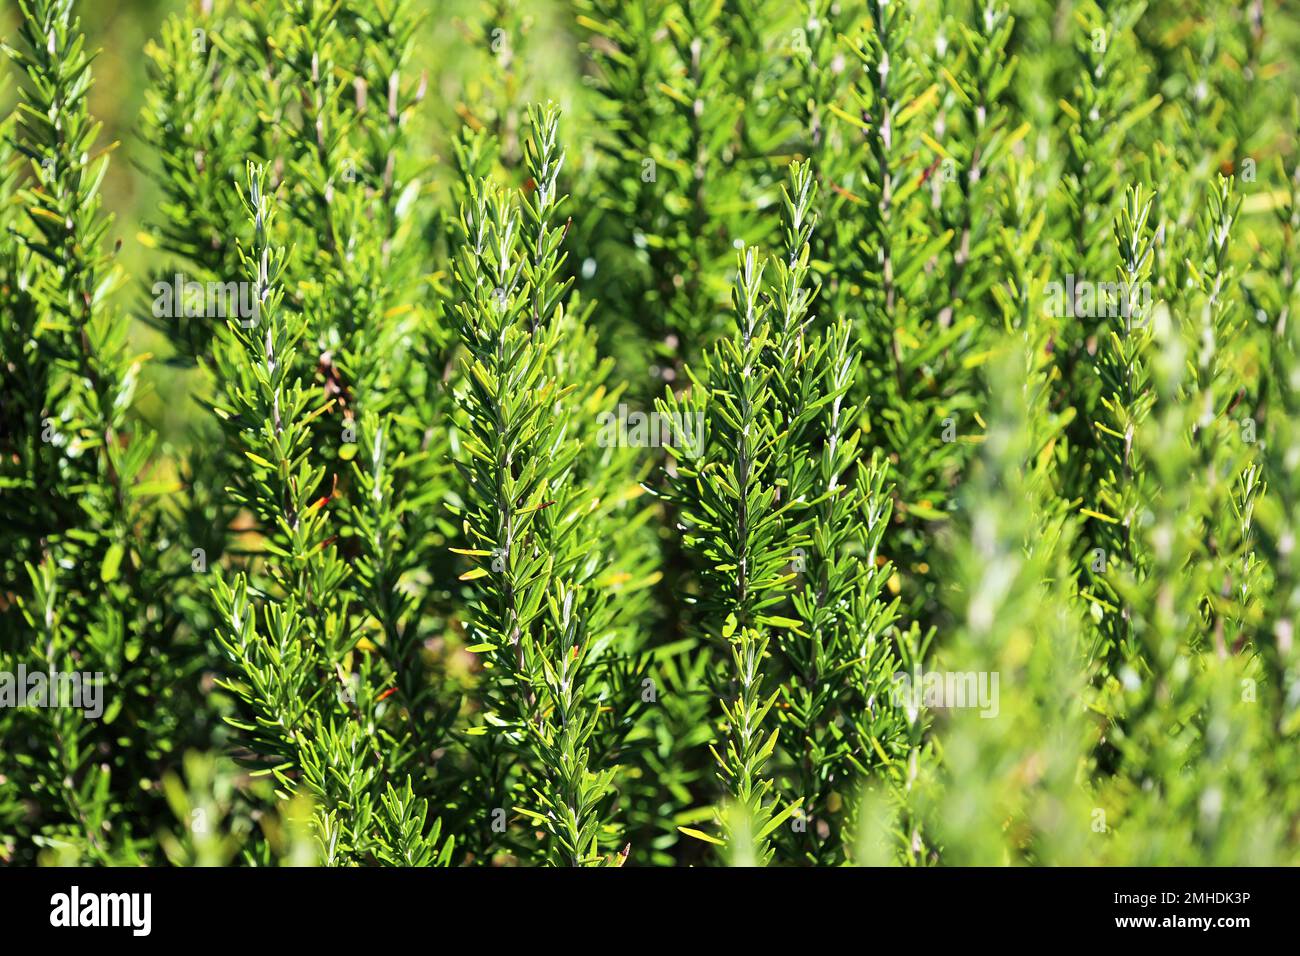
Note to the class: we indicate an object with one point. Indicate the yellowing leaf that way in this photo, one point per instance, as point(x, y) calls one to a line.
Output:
point(918, 104)
point(112, 561)
point(935, 145)
point(698, 835)
point(785, 622)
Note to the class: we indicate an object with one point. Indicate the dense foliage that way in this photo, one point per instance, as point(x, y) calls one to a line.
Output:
point(843, 431)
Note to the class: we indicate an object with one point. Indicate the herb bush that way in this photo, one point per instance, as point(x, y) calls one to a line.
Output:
point(664, 432)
